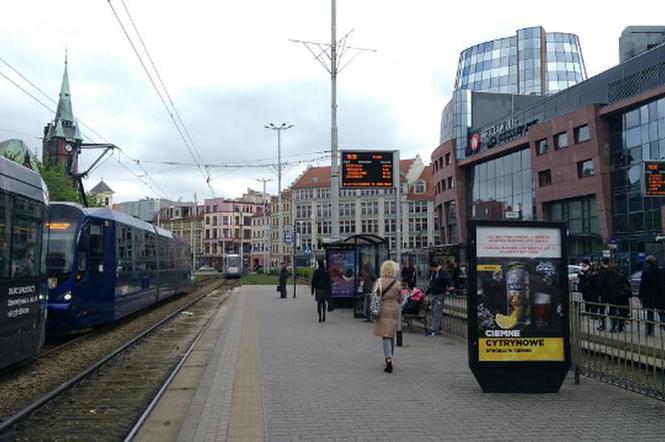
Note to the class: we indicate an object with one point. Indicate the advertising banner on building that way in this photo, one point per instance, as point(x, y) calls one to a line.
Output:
point(341, 267)
point(518, 294)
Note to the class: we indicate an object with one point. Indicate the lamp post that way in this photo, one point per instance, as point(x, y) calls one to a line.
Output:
point(280, 210)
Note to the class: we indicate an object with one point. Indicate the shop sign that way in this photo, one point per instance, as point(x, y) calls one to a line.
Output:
point(499, 134)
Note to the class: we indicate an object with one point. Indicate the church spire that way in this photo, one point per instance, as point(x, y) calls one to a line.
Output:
point(64, 125)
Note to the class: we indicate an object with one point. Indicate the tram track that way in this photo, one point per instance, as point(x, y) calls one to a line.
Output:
point(57, 371)
point(64, 340)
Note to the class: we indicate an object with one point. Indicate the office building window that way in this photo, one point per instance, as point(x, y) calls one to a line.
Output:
point(451, 182)
point(585, 168)
point(541, 146)
point(561, 140)
point(582, 134)
point(544, 178)
point(448, 159)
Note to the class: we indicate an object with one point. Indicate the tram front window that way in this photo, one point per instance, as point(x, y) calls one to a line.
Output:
point(60, 256)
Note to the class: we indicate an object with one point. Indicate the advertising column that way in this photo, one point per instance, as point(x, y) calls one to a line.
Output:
point(518, 306)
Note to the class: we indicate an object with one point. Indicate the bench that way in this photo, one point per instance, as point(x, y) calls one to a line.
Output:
point(408, 319)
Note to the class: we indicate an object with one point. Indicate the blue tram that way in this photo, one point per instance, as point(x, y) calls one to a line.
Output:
point(23, 215)
point(104, 265)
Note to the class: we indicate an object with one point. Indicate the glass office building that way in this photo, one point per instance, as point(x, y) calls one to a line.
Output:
point(530, 62)
point(636, 135)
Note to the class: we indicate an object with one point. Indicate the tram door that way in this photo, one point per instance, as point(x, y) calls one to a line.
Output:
point(97, 274)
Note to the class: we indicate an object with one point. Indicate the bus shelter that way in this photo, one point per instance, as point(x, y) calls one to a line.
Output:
point(353, 264)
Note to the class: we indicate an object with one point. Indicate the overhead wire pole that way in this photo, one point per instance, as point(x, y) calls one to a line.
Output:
point(333, 68)
point(266, 253)
point(280, 209)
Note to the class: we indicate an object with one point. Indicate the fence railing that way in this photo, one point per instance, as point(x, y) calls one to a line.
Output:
point(623, 345)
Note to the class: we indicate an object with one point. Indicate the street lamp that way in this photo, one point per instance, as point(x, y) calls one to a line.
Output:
point(280, 211)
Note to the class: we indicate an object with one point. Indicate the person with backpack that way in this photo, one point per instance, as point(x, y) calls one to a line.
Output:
point(389, 290)
point(321, 286)
point(652, 292)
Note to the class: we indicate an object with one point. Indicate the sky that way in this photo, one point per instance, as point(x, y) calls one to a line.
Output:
point(230, 69)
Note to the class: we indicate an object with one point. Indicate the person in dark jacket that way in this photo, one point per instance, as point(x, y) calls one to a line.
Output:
point(283, 277)
point(408, 275)
point(321, 286)
point(584, 285)
point(614, 289)
point(439, 283)
point(652, 291)
point(601, 286)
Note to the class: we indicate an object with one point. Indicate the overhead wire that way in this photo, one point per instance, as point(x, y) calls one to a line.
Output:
point(161, 97)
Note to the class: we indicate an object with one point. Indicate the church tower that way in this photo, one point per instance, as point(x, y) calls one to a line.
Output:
point(62, 139)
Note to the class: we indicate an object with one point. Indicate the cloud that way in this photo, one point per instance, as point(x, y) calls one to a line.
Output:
point(230, 69)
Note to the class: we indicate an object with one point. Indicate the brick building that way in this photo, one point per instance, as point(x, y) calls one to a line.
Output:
point(575, 156)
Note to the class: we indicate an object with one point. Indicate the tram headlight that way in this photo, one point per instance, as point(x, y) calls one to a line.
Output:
point(52, 283)
point(68, 296)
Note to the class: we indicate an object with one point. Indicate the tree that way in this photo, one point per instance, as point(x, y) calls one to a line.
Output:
point(59, 183)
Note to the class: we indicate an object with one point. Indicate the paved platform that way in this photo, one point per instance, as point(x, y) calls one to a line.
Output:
point(267, 370)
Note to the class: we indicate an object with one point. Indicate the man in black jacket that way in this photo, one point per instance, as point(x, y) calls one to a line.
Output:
point(439, 284)
point(321, 286)
point(652, 291)
point(283, 277)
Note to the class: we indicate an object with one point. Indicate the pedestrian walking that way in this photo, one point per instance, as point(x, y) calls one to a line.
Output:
point(408, 275)
point(321, 286)
point(652, 292)
point(390, 291)
point(439, 284)
point(283, 277)
point(592, 285)
point(614, 289)
point(584, 286)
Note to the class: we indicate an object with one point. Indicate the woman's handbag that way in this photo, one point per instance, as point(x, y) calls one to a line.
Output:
point(375, 301)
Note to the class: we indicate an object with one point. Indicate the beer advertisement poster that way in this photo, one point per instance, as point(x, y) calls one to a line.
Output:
point(519, 296)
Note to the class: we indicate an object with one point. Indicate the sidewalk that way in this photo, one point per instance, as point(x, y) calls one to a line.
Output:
point(326, 382)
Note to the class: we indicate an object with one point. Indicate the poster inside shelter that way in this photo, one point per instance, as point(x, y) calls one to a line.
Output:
point(341, 266)
point(520, 312)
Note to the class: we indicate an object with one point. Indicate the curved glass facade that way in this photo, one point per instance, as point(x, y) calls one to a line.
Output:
point(531, 62)
point(501, 185)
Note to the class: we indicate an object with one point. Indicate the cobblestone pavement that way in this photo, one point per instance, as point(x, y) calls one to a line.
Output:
point(326, 382)
point(311, 381)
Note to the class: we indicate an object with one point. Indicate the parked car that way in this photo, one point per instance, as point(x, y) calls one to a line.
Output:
point(635, 279)
point(573, 270)
point(206, 269)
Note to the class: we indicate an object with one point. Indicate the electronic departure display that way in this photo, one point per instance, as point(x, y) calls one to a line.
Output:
point(654, 178)
point(367, 169)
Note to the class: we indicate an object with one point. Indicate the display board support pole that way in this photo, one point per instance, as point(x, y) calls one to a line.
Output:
point(398, 232)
